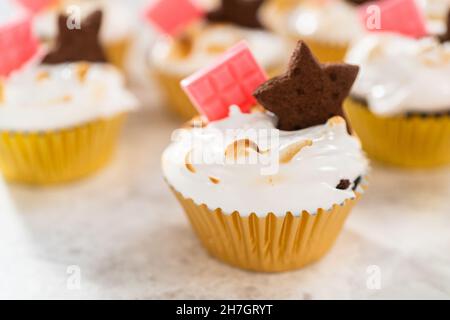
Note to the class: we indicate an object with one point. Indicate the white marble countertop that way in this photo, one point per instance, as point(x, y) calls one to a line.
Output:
point(128, 237)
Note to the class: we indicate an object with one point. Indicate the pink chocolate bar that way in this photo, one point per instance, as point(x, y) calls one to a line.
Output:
point(37, 5)
point(172, 16)
point(230, 81)
point(401, 16)
point(17, 44)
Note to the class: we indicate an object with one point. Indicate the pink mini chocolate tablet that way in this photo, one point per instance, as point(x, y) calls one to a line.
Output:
point(230, 81)
point(173, 16)
point(401, 16)
point(37, 5)
point(17, 44)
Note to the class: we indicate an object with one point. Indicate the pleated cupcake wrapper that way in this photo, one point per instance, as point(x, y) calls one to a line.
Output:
point(58, 156)
point(327, 52)
point(270, 243)
point(116, 52)
point(177, 100)
point(411, 142)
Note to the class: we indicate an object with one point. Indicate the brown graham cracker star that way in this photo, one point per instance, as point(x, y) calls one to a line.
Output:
point(240, 12)
point(74, 45)
point(309, 93)
point(446, 36)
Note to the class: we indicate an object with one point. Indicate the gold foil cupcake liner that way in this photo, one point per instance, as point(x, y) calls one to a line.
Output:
point(327, 52)
point(406, 141)
point(270, 243)
point(116, 52)
point(58, 156)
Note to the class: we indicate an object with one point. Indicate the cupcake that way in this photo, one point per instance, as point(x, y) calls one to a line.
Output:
point(116, 31)
point(174, 58)
point(436, 12)
point(269, 187)
point(60, 119)
point(400, 104)
point(328, 27)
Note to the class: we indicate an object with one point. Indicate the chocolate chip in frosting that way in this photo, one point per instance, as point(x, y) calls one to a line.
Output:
point(309, 93)
point(73, 45)
point(343, 184)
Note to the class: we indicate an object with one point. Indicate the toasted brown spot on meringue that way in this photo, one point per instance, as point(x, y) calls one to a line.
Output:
point(196, 122)
point(336, 120)
point(188, 162)
point(82, 70)
point(182, 46)
point(240, 148)
point(216, 48)
point(288, 153)
point(214, 180)
point(42, 75)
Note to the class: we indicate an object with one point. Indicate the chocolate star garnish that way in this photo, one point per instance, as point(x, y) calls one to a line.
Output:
point(240, 12)
point(82, 44)
point(446, 36)
point(359, 2)
point(309, 93)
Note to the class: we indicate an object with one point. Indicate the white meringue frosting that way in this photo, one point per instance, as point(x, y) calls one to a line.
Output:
point(48, 97)
point(402, 75)
point(335, 22)
point(311, 163)
point(210, 41)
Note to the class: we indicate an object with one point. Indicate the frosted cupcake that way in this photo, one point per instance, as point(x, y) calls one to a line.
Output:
point(400, 103)
point(252, 214)
point(60, 120)
point(174, 58)
point(436, 13)
point(328, 27)
point(116, 31)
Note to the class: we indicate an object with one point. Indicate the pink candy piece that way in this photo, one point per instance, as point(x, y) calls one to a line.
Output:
point(37, 5)
point(401, 16)
point(173, 16)
point(17, 44)
point(230, 81)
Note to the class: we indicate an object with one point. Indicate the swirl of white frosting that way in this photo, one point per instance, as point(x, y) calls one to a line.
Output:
point(334, 22)
point(210, 41)
point(313, 161)
point(435, 14)
point(9, 10)
point(400, 74)
point(59, 96)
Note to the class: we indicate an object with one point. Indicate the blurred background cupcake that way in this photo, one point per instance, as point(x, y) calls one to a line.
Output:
point(328, 26)
point(400, 104)
point(436, 12)
point(60, 116)
point(209, 35)
point(117, 29)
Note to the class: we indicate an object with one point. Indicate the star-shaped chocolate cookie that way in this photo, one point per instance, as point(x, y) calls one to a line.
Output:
point(240, 12)
point(446, 36)
point(309, 93)
point(80, 44)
